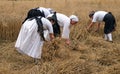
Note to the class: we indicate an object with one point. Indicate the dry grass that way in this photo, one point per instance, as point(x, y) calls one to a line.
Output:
point(87, 54)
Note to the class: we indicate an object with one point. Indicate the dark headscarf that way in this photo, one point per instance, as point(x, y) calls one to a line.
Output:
point(32, 13)
point(91, 13)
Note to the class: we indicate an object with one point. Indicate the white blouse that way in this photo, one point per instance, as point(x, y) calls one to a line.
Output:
point(99, 16)
point(63, 22)
point(45, 10)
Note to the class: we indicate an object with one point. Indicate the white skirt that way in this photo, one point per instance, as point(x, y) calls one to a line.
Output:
point(28, 41)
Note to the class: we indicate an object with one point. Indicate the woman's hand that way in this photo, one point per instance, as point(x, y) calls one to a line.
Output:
point(67, 41)
point(51, 36)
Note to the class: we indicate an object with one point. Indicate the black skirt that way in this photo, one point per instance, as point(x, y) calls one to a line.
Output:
point(110, 23)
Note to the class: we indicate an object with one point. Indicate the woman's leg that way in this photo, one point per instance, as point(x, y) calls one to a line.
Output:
point(110, 37)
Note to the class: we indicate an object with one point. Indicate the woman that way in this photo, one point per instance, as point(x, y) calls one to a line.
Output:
point(31, 37)
point(103, 16)
point(62, 21)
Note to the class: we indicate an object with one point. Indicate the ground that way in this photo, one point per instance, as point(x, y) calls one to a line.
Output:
point(88, 52)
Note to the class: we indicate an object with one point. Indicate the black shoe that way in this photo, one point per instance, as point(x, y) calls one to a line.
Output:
point(111, 41)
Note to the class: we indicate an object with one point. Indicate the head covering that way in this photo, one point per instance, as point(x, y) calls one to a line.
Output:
point(74, 18)
point(32, 13)
point(91, 13)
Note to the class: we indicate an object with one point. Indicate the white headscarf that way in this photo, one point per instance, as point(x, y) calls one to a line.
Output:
point(74, 18)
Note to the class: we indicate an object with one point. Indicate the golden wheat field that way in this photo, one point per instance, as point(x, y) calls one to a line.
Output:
point(87, 54)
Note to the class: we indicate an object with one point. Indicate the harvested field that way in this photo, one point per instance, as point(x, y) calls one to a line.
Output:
point(87, 54)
